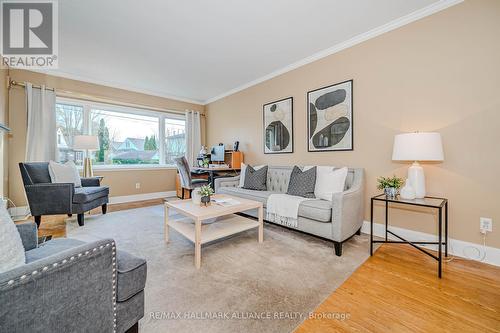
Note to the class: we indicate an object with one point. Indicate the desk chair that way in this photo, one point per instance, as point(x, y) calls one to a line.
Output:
point(187, 182)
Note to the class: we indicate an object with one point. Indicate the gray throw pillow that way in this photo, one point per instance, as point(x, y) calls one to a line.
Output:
point(255, 179)
point(302, 183)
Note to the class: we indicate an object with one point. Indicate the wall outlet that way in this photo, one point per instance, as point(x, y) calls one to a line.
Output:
point(485, 224)
point(137, 186)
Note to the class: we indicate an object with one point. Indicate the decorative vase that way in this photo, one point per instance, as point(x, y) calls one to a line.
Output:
point(205, 200)
point(407, 192)
point(196, 197)
point(390, 192)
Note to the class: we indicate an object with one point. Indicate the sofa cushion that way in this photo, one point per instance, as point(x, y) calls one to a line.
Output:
point(51, 247)
point(260, 196)
point(302, 182)
point(255, 179)
point(131, 277)
point(319, 210)
point(87, 194)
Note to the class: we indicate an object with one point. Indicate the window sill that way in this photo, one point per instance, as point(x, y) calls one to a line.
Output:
point(130, 167)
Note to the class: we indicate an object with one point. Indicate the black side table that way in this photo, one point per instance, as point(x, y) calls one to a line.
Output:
point(433, 202)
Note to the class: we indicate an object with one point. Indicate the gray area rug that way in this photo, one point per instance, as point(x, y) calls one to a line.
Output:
point(242, 286)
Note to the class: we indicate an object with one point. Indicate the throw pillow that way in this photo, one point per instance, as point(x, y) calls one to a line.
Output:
point(329, 181)
point(242, 173)
point(64, 173)
point(255, 179)
point(11, 245)
point(302, 183)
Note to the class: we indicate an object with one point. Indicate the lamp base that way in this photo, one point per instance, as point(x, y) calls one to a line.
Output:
point(87, 168)
point(416, 177)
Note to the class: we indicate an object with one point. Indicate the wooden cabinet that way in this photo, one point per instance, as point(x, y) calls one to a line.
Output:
point(235, 159)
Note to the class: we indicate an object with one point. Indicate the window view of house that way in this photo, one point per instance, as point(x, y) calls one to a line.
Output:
point(126, 136)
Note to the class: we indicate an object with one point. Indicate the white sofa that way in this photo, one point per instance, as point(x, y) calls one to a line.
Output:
point(336, 220)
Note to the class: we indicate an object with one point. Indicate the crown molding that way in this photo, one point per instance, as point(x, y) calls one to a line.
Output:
point(392, 25)
point(71, 76)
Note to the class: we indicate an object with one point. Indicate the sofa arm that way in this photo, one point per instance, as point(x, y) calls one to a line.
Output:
point(348, 212)
point(90, 181)
point(226, 182)
point(71, 291)
point(29, 235)
point(50, 198)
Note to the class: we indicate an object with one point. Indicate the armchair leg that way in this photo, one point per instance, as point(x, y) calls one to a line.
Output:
point(358, 232)
point(104, 208)
point(338, 248)
point(81, 219)
point(69, 215)
point(38, 220)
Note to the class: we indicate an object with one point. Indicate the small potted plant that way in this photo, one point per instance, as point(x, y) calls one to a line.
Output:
point(390, 185)
point(205, 192)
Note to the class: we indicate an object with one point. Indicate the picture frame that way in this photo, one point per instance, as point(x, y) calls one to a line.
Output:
point(278, 126)
point(330, 122)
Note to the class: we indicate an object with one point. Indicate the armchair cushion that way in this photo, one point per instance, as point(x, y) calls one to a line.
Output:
point(29, 235)
point(131, 277)
point(87, 194)
point(90, 181)
point(64, 173)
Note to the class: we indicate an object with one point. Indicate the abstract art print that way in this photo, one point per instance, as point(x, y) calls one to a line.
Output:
point(329, 118)
point(278, 126)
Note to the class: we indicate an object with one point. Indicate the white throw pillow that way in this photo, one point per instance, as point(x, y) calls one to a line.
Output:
point(64, 173)
point(329, 181)
point(11, 246)
point(242, 172)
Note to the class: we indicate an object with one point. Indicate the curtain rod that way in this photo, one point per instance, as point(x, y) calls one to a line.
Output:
point(91, 98)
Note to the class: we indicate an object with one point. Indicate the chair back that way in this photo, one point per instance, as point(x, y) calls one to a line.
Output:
point(35, 172)
point(184, 172)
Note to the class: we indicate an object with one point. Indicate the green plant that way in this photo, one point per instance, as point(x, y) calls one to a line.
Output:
point(384, 182)
point(206, 191)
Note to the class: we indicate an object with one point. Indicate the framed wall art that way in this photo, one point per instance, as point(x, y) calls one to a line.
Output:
point(278, 126)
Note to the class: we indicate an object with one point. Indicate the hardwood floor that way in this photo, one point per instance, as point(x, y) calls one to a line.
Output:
point(397, 290)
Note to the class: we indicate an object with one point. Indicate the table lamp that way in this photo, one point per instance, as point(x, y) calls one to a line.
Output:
point(418, 146)
point(86, 143)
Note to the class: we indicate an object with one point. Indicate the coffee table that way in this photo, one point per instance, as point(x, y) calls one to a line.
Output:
point(227, 222)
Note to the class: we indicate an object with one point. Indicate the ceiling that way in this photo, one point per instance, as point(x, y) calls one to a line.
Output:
point(201, 50)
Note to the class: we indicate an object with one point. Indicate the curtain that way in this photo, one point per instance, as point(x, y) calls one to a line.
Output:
point(41, 138)
point(193, 136)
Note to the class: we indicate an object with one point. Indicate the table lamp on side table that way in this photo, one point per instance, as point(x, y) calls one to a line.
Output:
point(86, 143)
point(418, 146)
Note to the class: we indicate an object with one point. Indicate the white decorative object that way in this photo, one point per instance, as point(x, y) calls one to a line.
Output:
point(196, 196)
point(328, 181)
point(11, 245)
point(419, 146)
point(407, 192)
point(64, 173)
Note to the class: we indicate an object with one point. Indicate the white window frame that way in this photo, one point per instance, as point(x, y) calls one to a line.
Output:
point(162, 116)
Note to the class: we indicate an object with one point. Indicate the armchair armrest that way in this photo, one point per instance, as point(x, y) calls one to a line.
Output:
point(29, 235)
point(90, 181)
point(227, 182)
point(50, 198)
point(62, 292)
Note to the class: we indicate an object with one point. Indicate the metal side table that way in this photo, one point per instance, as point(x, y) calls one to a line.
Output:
point(441, 204)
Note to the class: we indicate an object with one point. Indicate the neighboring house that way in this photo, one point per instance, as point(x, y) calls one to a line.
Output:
point(132, 144)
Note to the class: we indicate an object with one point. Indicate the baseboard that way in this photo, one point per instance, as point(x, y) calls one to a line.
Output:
point(141, 197)
point(456, 247)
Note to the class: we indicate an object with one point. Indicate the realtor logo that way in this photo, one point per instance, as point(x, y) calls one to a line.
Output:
point(29, 34)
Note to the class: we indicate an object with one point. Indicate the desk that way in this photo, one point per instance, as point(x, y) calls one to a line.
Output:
point(213, 170)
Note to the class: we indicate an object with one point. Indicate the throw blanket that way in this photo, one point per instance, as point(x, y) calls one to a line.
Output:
point(283, 209)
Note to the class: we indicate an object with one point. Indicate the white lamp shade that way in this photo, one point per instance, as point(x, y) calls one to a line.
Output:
point(85, 142)
point(420, 146)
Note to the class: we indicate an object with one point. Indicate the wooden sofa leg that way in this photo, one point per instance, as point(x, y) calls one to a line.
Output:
point(38, 220)
point(104, 208)
point(134, 328)
point(338, 248)
point(358, 232)
point(81, 219)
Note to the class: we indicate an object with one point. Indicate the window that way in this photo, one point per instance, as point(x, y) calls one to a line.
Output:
point(127, 136)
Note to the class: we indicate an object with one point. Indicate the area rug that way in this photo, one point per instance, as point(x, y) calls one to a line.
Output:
point(242, 286)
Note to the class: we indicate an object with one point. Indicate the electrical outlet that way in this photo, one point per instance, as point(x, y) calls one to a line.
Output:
point(485, 224)
point(137, 186)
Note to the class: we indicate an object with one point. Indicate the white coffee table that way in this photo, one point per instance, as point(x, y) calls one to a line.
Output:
point(227, 222)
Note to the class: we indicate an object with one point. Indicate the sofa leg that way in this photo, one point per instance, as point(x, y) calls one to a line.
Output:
point(338, 248)
point(38, 220)
point(69, 215)
point(81, 219)
point(358, 232)
point(133, 329)
point(104, 208)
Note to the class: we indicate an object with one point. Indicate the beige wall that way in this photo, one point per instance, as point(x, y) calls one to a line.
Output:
point(3, 135)
point(441, 73)
point(121, 182)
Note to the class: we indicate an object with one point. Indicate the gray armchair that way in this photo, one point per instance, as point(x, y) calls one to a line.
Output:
point(46, 198)
point(68, 285)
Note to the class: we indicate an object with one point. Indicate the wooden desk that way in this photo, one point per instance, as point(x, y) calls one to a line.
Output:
point(213, 170)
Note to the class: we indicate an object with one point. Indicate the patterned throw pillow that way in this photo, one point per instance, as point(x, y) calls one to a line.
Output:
point(255, 179)
point(302, 183)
